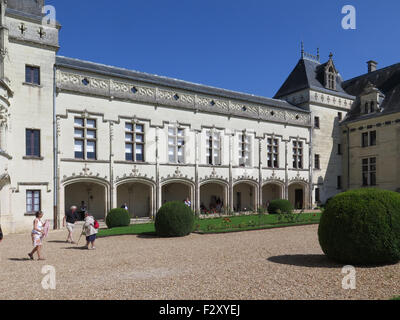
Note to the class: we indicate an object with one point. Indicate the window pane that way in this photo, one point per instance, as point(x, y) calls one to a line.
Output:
point(91, 150)
point(78, 122)
point(128, 137)
point(36, 75)
point(171, 131)
point(171, 141)
point(139, 153)
point(91, 124)
point(79, 149)
point(91, 134)
point(139, 138)
point(129, 127)
point(139, 128)
point(78, 133)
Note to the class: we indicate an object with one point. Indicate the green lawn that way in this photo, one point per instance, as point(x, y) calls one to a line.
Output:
point(223, 225)
point(396, 298)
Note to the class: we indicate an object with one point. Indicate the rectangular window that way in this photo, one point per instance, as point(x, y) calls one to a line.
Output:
point(244, 150)
point(176, 145)
point(316, 162)
point(85, 139)
point(297, 155)
point(213, 152)
point(317, 195)
point(32, 143)
point(372, 138)
point(369, 172)
point(33, 201)
point(364, 140)
point(339, 182)
point(134, 142)
point(340, 116)
point(32, 75)
point(316, 122)
point(368, 139)
point(339, 149)
point(272, 153)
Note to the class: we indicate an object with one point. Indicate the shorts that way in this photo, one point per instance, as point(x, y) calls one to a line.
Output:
point(36, 240)
point(70, 226)
point(91, 238)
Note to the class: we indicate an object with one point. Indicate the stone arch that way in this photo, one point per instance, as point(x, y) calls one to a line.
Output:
point(272, 190)
point(92, 190)
point(298, 191)
point(245, 195)
point(214, 195)
point(138, 194)
point(177, 189)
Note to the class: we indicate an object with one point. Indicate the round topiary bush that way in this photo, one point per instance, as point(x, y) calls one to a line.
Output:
point(284, 206)
point(118, 218)
point(362, 227)
point(174, 219)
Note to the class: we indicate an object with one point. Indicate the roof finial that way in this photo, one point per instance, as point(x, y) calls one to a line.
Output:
point(330, 56)
point(318, 54)
point(302, 49)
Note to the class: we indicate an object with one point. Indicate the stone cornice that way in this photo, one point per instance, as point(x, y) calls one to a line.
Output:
point(112, 88)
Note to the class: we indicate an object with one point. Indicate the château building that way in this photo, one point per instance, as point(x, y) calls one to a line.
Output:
point(73, 131)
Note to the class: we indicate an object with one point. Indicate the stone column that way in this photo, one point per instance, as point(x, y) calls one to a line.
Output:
point(286, 171)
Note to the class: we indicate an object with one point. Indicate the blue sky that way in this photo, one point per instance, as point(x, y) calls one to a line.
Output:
point(243, 45)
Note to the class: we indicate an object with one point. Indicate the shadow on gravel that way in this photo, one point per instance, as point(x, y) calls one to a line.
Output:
point(56, 241)
point(20, 259)
point(75, 248)
point(148, 235)
point(305, 260)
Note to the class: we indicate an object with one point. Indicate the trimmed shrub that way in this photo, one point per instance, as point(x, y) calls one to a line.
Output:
point(281, 205)
point(174, 219)
point(118, 217)
point(362, 227)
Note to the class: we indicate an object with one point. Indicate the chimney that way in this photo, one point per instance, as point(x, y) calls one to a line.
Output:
point(372, 66)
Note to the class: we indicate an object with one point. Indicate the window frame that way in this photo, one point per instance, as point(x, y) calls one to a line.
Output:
point(243, 150)
point(176, 137)
point(30, 75)
point(33, 192)
point(317, 161)
point(317, 124)
point(85, 138)
point(298, 146)
point(272, 155)
point(369, 169)
point(211, 149)
point(32, 132)
point(134, 143)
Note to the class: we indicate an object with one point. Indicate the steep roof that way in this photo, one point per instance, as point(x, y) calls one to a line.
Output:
point(169, 82)
point(386, 80)
point(309, 74)
point(32, 7)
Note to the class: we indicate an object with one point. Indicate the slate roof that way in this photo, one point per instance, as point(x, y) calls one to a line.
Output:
point(309, 74)
point(387, 80)
point(170, 82)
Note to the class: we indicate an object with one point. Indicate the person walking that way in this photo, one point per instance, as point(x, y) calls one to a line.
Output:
point(90, 230)
point(124, 206)
point(188, 202)
point(69, 220)
point(37, 236)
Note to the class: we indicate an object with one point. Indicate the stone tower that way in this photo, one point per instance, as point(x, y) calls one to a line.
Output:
point(28, 48)
point(317, 87)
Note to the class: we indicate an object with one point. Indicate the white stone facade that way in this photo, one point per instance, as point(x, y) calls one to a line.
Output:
point(110, 102)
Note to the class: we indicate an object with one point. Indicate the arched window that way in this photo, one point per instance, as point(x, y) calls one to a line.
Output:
point(366, 110)
point(372, 107)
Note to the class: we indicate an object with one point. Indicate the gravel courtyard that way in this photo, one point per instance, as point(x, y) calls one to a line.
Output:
point(270, 264)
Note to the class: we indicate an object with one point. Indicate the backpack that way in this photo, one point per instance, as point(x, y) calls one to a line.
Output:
point(96, 224)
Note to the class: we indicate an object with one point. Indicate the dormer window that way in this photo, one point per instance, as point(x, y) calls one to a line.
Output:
point(330, 74)
point(331, 77)
point(372, 107)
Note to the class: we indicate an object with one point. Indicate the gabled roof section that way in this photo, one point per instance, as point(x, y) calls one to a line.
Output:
point(309, 74)
point(386, 80)
point(111, 71)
